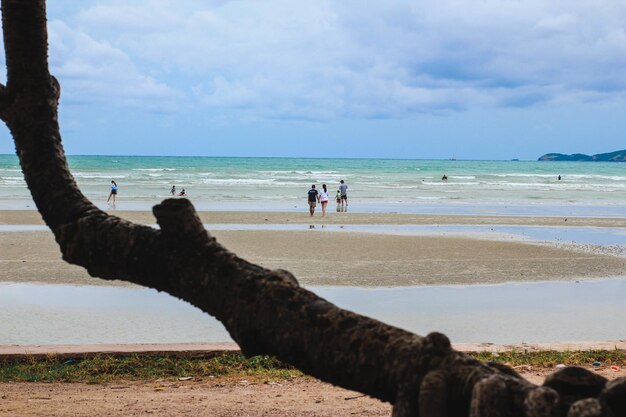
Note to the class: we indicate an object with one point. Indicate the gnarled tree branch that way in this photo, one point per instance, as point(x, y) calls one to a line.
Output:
point(265, 312)
point(4, 98)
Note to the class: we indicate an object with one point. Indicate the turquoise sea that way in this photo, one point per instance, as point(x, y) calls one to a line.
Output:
point(375, 185)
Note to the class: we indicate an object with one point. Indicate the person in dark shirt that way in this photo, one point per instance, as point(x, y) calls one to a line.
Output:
point(113, 192)
point(343, 188)
point(313, 197)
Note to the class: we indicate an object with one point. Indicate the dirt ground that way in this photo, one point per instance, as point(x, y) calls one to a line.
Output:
point(209, 397)
point(301, 397)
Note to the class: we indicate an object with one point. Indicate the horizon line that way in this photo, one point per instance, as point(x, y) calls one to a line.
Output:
point(296, 157)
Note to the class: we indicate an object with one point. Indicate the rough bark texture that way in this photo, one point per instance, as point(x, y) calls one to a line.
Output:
point(265, 312)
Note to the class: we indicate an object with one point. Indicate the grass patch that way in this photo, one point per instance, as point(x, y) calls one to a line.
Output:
point(105, 368)
point(145, 367)
point(549, 359)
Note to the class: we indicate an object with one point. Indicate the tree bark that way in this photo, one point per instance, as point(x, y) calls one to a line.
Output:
point(265, 311)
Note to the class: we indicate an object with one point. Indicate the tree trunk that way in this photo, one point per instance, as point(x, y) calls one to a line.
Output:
point(265, 311)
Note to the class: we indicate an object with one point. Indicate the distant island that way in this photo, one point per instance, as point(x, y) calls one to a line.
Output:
point(617, 156)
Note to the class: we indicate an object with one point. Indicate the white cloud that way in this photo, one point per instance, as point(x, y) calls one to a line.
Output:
point(326, 59)
point(94, 71)
point(123, 17)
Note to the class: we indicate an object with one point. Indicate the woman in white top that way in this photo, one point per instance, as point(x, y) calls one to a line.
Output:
point(323, 199)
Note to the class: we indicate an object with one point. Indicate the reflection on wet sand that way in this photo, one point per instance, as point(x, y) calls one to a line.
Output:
point(507, 313)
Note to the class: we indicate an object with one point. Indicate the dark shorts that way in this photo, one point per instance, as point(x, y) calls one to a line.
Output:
point(344, 196)
point(113, 192)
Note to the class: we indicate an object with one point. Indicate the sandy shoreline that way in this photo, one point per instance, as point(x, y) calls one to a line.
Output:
point(32, 217)
point(8, 351)
point(320, 257)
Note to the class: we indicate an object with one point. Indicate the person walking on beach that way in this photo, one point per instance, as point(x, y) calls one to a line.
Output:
point(343, 189)
point(338, 199)
point(323, 199)
point(173, 190)
point(113, 192)
point(312, 198)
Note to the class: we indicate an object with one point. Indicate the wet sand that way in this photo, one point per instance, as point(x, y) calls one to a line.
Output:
point(9, 217)
point(317, 257)
point(320, 257)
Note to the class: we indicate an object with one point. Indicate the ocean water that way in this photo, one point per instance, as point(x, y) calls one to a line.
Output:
point(375, 185)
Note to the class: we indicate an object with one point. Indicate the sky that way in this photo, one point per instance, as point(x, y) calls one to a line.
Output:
point(431, 79)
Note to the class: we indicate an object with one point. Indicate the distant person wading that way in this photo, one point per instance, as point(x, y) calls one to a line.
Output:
point(113, 192)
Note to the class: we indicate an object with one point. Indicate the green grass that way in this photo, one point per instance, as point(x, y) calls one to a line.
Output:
point(548, 359)
point(106, 368)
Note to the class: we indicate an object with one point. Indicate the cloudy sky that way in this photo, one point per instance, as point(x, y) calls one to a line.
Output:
point(478, 79)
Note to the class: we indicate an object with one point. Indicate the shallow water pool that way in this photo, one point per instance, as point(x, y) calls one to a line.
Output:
point(508, 313)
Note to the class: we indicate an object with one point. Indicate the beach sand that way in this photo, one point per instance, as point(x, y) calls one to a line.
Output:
point(32, 217)
point(321, 257)
point(10, 352)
